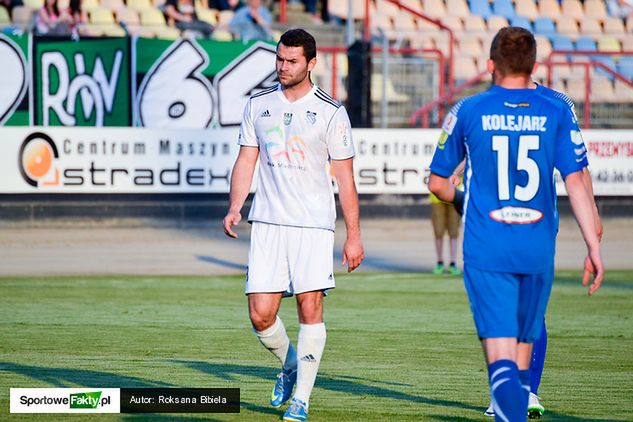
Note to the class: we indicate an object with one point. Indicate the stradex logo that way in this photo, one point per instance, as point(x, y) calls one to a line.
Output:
point(37, 160)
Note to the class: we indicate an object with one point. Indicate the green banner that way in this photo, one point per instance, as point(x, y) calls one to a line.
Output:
point(84, 83)
point(14, 93)
point(153, 83)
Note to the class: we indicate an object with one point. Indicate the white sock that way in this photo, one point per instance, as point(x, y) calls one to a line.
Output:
point(276, 340)
point(309, 351)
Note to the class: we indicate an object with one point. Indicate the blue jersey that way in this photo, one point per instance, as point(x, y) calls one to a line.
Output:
point(512, 140)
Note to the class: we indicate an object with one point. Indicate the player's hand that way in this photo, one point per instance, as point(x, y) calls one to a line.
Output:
point(233, 218)
point(593, 266)
point(455, 180)
point(353, 254)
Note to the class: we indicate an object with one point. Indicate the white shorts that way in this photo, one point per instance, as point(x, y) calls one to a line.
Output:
point(290, 260)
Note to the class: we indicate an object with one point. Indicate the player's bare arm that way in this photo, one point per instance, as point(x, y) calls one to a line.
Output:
point(596, 215)
point(582, 207)
point(353, 252)
point(241, 179)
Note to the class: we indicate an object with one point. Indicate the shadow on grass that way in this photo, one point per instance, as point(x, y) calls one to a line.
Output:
point(326, 381)
point(68, 377)
point(221, 262)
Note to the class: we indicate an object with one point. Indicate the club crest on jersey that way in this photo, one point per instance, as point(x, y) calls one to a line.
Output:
point(287, 118)
point(311, 117)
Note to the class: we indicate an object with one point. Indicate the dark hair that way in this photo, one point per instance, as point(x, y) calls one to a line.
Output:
point(299, 38)
point(513, 50)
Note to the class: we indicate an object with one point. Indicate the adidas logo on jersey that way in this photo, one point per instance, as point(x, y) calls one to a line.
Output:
point(309, 358)
point(265, 113)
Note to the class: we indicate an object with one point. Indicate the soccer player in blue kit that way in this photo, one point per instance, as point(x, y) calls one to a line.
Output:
point(513, 137)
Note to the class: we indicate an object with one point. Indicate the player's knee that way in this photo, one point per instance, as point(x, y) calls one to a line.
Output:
point(262, 320)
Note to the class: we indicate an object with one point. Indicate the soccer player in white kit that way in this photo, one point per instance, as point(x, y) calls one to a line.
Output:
point(297, 132)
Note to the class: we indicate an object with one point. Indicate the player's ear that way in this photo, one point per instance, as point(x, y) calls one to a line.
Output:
point(490, 66)
point(311, 64)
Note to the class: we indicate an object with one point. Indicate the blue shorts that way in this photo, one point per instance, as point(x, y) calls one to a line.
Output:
point(507, 304)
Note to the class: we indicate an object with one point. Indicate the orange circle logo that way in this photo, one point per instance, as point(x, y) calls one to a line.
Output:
point(37, 153)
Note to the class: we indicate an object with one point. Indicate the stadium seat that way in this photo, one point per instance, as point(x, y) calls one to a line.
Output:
point(340, 9)
point(474, 24)
point(5, 19)
point(412, 4)
point(602, 90)
point(434, 8)
point(585, 43)
point(33, 4)
point(614, 26)
point(623, 92)
point(101, 17)
point(561, 42)
point(627, 43)
point(384, 7)
point(495, 23)
point(544, 26)
point(549, 8)
point(625, 67)
point(88, 5)
point(166, 33)
point(128, 16)
point(207, 15)
point(595, 9)
point(576, 90)
point(590, 26)
point(543, 47)
point(521, 22)
point(480, 8)
point(526, 8)
point(572, 9)
point(139, 5)
point(222, 35)
point(465, 68)
point(629, 25)
point(567, 26)
point(453, 22)
point(113, 5)
point(609, 44)
point(113, 31)
point(503, 8)
point(469, 46)
point(91, 31)
point(224, 19)
point(607, 61)
point(153, 18)
point(391, 94)
point(457, 8)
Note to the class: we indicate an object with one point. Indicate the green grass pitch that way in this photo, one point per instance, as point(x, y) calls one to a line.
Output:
point(400, 346)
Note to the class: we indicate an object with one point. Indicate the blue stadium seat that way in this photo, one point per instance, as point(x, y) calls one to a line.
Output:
point(521, 22)
point(503, 8)
point(625, 67)
point(607, 61)
point(561, 42)
point(544, 26)
point(585, 43)
point(480, 8)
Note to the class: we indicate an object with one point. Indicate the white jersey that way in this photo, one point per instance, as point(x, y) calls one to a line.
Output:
point(296, 141)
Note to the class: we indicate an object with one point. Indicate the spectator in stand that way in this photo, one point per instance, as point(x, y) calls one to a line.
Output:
point(311, 8)
point(10, 4)
point(78, 15)
point(51, 20)
point(252, 22)
point(225, 4)
point(183, 14)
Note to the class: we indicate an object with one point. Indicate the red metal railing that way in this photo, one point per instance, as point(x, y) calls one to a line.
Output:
point(550, 63)
point(333, 50)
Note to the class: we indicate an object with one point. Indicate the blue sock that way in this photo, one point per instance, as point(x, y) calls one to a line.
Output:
point(538, 360)
point(506, 391)
point(524, 377)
